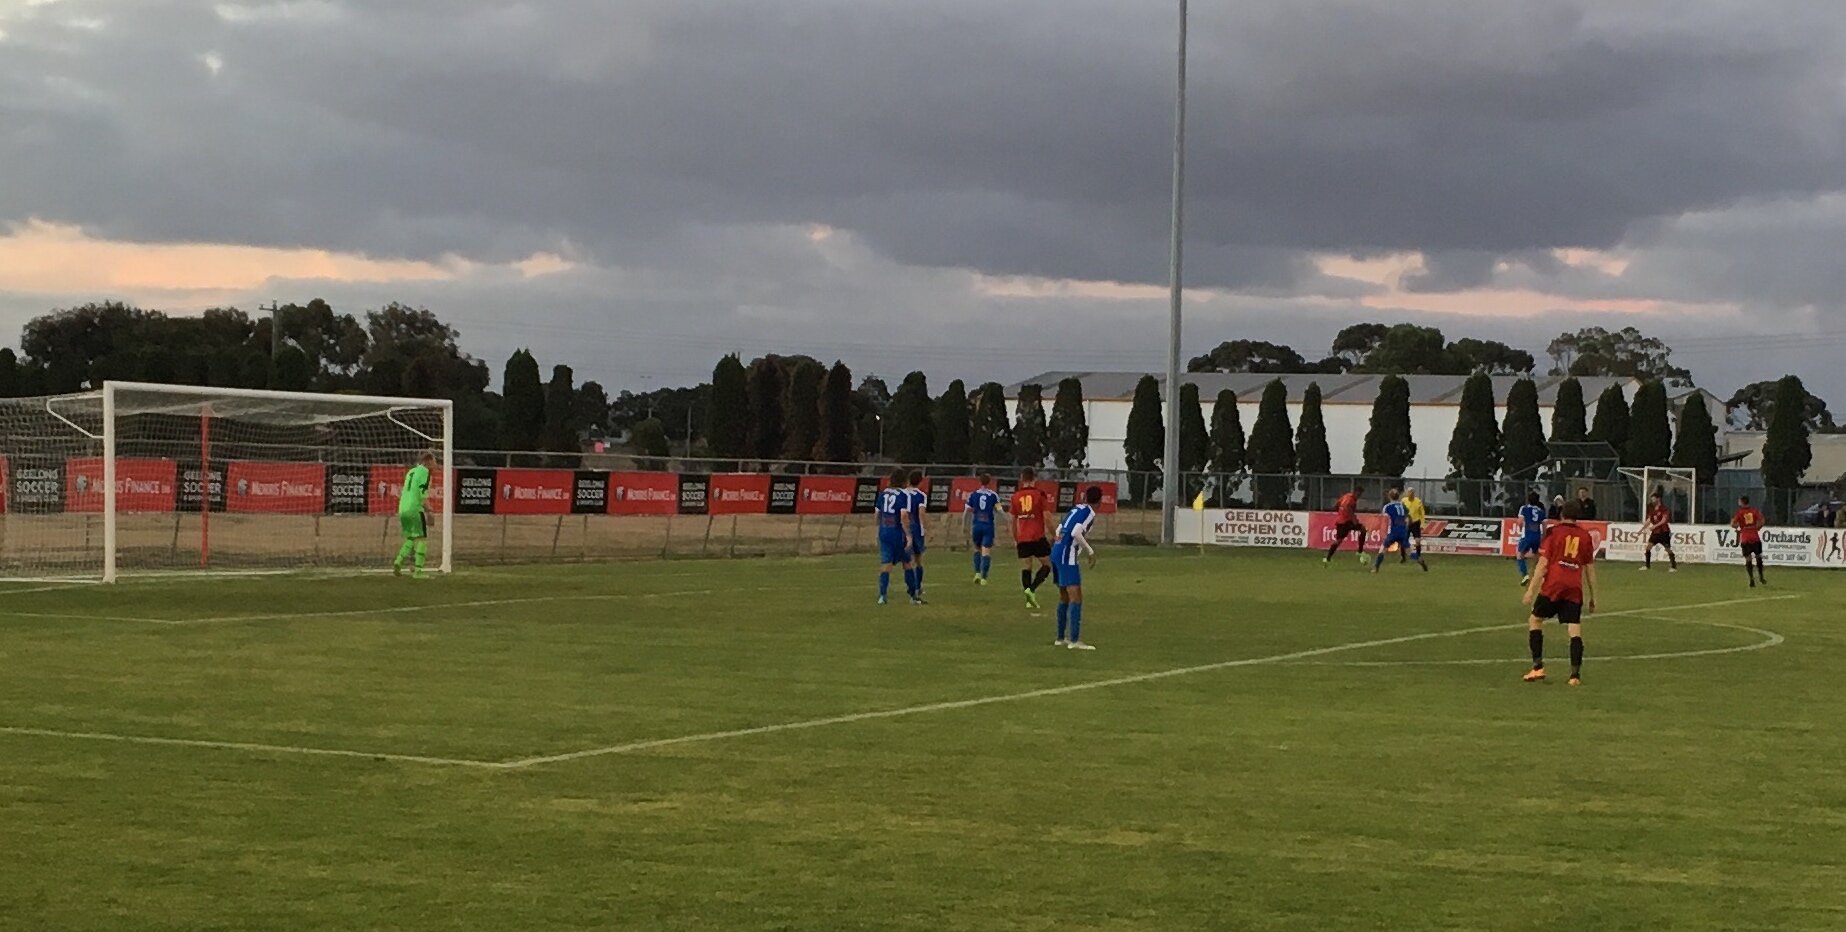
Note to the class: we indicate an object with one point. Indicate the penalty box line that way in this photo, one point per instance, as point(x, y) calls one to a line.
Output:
point(951, 705)
point(635, 746)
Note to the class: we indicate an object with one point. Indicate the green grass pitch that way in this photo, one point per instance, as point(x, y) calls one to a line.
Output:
point(356, 753)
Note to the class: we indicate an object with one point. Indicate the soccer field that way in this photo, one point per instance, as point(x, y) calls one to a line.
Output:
point(1260, 742)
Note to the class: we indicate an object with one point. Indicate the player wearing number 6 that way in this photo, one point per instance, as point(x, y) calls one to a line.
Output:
point(410, 516)
point(1563, 587)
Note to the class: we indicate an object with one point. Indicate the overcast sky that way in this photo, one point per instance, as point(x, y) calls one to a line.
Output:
point(973, 187)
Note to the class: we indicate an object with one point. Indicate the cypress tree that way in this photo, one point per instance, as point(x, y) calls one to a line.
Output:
point(953, 426)
point(1611, 424)
point(9, 373)
point(802, 417)
point(1522, 434)
point(649, 440)
point(1312, 457)
point(1069, 428)
point(1272, 448)
point(990, 441)
point(1650, 435)
point(1568, 417)
point(1389, 449)
point(1144, 445)
point(910, 435)
point(839, 425)
point(1696, 446)
point(767, 387)
point(1194, 438)
point(1030, 434)
point(561, 411)
point(523, 423)
point(1787, 453)
point(293, 371)
point(1227, 440)
point(1474, 448)
point(727, 419)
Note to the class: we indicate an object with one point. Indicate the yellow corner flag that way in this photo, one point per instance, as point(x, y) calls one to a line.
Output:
point(1198, 504)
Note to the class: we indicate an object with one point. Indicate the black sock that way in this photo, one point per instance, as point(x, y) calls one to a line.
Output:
point(1536, 638)
point(1333, 549)
point(1044, 573)
point(1576, 656)
point(1672, 560)
point(1647, 559)
point(1025, 579)
point(1759, 570)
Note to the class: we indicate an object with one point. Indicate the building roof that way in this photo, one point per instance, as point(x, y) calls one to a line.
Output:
point(1350, 388)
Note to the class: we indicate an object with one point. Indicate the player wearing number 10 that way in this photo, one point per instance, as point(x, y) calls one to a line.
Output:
point(410, 516)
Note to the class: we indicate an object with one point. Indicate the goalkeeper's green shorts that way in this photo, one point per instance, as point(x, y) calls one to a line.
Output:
point(413, 525)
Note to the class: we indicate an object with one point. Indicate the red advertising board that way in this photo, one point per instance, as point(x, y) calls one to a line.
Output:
point(1322, 523)
point(387, 486)
point(1511, 529)
point(826, 495)
point(643, 493)
point(738, 494)
point(959, 490)
point(140, 485)
point(533, 491)
point(1107, 505)
point(276, 488)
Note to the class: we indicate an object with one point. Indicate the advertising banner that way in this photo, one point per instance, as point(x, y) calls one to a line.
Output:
point(1243, 527)
point(827, 495)
point(865, 495)
point(1484, 537)
point(387, 486)
point(276, 488)
point(1322, 523)
point(1107, 505)
point(1067, 496)
point(534, 491)
point(198, 485)
point(589, 492)
point(960, 488)
point(346, 487)
point(738, 494)
point(1706, 543)
point(694, 494)
point(643, 493)
point(784, 494)
point(141, 485)
point(476, 486)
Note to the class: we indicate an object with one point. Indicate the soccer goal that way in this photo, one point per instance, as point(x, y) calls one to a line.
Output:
point(142, 478)
point(1678, 488)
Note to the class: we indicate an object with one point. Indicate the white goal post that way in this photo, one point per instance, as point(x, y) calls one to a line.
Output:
point(1679, 485)
point(138, 478)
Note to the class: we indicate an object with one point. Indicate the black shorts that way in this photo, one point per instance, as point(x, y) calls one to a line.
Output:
point(1661, 540)
point(1416, 529)
point(1344, 528)
point(1040, 548)
point(1566, 612)
point(1755, 549)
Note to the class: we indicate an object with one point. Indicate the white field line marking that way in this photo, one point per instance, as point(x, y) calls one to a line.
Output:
point(401, 609)
point(37, 589)
point(246, 746)
point(1769, 639)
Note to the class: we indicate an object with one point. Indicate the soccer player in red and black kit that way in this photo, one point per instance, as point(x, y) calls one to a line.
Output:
point(1348, 523)
point(1563, 587)
point(1029, 508)
point(1749, 524)
point(1659, 534)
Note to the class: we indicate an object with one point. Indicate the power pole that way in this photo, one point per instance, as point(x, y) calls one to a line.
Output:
point(1172, 477)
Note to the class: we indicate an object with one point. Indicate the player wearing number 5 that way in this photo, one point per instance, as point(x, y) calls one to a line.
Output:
point(1563, 587)
point(1073, 542)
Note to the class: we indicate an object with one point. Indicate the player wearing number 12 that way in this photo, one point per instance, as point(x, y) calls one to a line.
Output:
point(410, 516)
point(1563, 587)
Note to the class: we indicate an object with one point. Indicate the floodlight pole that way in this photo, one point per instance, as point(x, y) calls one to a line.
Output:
point(1170, 491)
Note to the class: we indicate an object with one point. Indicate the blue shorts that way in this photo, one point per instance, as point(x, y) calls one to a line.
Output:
point(916, 546)
point(1065, 570)
point(983, 535)
point(1400, 538)
point(1530, 543)
point(891, 548)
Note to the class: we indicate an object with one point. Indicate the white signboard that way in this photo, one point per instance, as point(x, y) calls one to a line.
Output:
point(1244, 527)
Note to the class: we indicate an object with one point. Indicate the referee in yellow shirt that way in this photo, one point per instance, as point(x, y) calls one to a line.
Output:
point(1413, 503)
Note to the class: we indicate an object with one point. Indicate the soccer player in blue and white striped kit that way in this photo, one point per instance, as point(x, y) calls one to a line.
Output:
point(981, 505)
point(1531, 533)
point(1397, 531)
point(1073, 542)
point(894, 537)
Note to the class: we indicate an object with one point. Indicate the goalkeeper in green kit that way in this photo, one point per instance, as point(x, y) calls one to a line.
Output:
point(410, 515)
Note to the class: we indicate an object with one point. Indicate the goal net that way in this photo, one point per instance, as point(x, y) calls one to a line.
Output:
point(139, 478)
point(1677, 487)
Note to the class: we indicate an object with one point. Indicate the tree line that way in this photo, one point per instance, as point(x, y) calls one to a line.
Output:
point(1515, 448)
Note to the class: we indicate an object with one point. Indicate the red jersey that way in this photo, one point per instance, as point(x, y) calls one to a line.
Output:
point(1749, 524)
point(1028, 507)
point(1348, 507)
point(1659, 520)
point(1567, 549)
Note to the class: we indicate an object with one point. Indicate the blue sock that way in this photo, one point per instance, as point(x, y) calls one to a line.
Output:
point(919, 577)
point(987, 564)
point(977, 561)
point(910, 581)
point(1522, 566)
point(1063, 619)
point(1379, 560)
point(1076, 621)
point(884, 583)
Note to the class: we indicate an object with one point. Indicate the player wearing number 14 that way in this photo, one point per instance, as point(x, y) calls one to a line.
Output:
point(410, 516)
point(1563, 587)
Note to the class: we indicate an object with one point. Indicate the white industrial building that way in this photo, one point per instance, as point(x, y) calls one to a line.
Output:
point(1346, 406)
